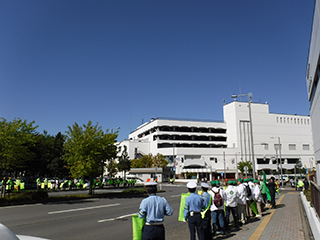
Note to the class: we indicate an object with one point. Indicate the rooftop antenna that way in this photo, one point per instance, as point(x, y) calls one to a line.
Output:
point(240, 88)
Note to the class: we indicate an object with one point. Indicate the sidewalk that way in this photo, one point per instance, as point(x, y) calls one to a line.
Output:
point(284, 222)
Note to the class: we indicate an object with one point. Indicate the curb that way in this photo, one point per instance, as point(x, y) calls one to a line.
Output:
point(312, 216)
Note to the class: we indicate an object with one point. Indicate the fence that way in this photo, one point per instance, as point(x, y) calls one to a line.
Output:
point(315, 194)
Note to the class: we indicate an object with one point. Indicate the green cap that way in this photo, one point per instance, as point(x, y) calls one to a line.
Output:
point(246, 180)
point(217, 183)
point(255, 181)
point(213, 183)
point(240, 180)
point(234, 183)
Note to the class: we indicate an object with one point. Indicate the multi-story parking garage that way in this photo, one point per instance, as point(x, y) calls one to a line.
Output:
point(211, 149)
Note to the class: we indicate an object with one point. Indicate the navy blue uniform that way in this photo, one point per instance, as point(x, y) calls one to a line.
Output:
point(192, 209)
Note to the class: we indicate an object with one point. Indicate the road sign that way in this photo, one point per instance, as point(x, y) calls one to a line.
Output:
point(176, 163)
point(221, 173)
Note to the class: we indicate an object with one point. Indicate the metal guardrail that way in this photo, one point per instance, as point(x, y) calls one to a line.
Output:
point(315, 197)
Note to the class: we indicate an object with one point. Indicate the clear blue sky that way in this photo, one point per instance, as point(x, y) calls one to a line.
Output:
point(118, 62)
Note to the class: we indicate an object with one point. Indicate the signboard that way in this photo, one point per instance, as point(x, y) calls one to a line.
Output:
point(221, 173)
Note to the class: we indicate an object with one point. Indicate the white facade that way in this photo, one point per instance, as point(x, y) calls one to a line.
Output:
point(313, 74)
point(211, 149)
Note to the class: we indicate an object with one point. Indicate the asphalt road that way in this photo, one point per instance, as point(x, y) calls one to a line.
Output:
point(104, 218)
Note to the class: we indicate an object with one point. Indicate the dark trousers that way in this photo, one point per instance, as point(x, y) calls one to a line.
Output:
point(234, 211)
point(153, 232)
point(206, 223)
point(195, 223)
point(273, 199)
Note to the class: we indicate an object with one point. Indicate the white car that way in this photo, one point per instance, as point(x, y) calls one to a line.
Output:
point(6, 234)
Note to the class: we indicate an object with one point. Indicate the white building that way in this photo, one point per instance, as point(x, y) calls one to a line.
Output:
point(211, 149)
point(312, 77)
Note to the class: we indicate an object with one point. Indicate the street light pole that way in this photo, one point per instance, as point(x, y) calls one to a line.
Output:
point(237, 166)
point(251, 132)
point(279, 146)
point(280, 161)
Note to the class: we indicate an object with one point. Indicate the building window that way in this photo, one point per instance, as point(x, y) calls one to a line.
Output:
point(266, 146)
point(305, 147)
point(214, 159)
point(292, 147)
point(276, 146)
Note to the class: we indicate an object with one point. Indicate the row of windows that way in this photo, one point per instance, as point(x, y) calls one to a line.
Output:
point(275, 161)
point(182, 129)
point(190, 138)
point(294, 120)
point(190, 145)
point(290, 146)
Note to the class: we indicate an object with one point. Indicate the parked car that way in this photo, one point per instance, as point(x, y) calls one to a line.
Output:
point(7, 234)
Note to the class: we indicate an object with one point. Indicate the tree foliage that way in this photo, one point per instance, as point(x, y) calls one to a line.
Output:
point(159, 161)
point(16, 138)
point(87, 147)
point(242, 164)
point(48, 156)
point(124, 160)
point(149, 161)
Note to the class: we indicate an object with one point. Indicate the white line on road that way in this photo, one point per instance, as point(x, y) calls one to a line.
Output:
point(112, 219)
point(176, 195)
point(81, 209)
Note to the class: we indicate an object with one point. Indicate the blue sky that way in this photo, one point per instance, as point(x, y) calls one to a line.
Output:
point(122, 62)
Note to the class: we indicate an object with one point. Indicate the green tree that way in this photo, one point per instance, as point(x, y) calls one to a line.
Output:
point(124, 161)
point(87, 148)
point(159, 161)
point(58, 166)
point(16, 137)
point(242, 164)
point(149, 161)
point(144, 162)
point(112, 167)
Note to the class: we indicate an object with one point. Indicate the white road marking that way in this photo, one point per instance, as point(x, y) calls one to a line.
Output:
point(176, 195)
point(112, 219)
point(82, 209)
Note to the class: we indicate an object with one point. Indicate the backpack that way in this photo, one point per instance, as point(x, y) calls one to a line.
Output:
point(248, 190)
point(218, 202)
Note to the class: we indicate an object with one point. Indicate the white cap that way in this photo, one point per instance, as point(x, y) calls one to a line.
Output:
point(191, 185)
point(205, 185)
point(151, 184)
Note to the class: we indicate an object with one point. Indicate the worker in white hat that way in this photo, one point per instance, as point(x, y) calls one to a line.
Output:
point(153, 208)
point(192, 209)
point(206, 214)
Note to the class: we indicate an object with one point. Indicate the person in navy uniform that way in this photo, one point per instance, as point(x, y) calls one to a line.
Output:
point(153, 208)
point(206, 220)
point(194, 205)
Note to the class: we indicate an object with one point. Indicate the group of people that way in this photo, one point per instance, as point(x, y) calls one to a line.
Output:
point(217, 203)
point(208, 211)
point(7, 185)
